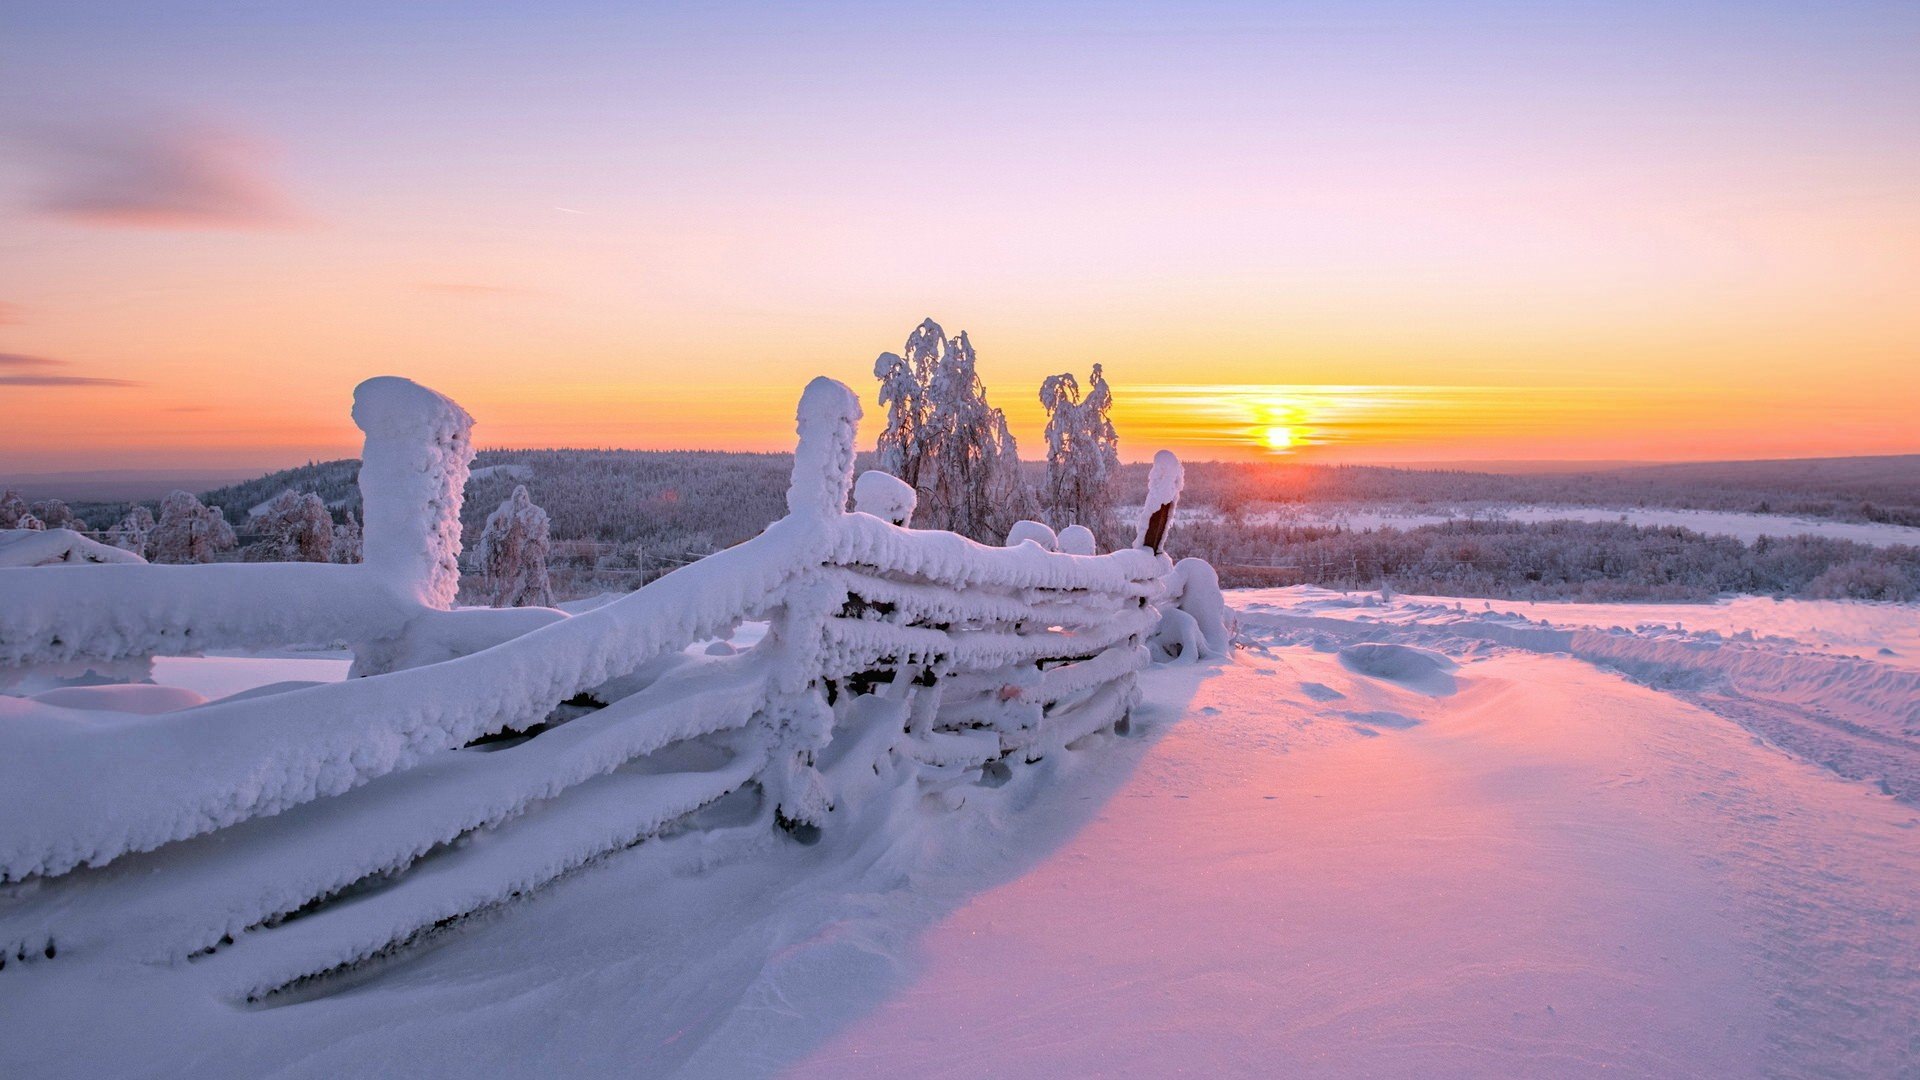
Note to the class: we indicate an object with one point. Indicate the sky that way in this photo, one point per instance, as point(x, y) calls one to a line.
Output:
point(1316, 231)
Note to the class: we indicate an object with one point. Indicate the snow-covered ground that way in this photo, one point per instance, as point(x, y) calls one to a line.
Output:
point(1747, 527)
point(1406, 837)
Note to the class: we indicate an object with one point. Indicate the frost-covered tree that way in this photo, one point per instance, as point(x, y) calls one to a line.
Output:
point(133, 531)
point(946, 440)
point(904, 380)
point(15, 514)
point(189, 532)
point(296, 527)
point(346, 540)
point(56, 514)
point(513, 552)
point(1083, 451)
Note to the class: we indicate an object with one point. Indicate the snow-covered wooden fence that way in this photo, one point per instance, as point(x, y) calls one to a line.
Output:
point(277, 837)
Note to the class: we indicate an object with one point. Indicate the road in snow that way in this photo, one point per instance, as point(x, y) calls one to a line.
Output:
point(1317, 860)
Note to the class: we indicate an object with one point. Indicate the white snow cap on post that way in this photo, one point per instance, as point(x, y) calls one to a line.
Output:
point(1164, 482)
point(885, 496)
point(828, 421)
point(413, 474)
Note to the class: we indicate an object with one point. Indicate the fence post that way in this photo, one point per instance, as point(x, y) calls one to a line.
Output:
point(828, 421)
point(1164, 482)
point(413, 476)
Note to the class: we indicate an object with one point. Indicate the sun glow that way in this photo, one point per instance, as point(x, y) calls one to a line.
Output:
point(1278, 438)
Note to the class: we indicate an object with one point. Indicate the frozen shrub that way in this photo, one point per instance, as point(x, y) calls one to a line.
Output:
point(14, 513)
point(1077, 540)
point(55, 514)
point(133, 531)
point(1035, 531)
point(296, 528)
point(189, 532)
point(888, 498)
point(513, 552)
point(1861, 579)
point(346, 541)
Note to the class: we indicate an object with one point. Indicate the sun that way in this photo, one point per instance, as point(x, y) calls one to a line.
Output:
point(1278, 437)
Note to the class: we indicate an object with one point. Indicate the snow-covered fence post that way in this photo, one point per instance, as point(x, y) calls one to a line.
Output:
point(1164, 482)
point(828, 422)
point(413, 473)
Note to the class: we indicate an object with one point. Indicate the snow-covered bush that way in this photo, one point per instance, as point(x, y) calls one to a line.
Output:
point(513, 553)
point(1036, 531)
point(295, 527)
point(943, 437)
point(16, 514)
point(55, 514)
point(1083, 451)
point(346, 541)
point(1077, 540)
point(189, 532)
point(886, 497)
point(1862, 579)
point(133, 531)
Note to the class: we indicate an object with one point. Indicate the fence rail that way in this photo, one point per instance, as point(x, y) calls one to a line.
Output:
point(891, 655)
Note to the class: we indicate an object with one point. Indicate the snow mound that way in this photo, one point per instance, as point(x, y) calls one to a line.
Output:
point(57, 547)
point(1397, 663)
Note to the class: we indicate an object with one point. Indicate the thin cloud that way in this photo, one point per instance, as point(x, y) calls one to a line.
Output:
point(33, 373)
point(164, 174)
point(454, 288)
point(15, 360)
point(9, 314)
point(62, 380)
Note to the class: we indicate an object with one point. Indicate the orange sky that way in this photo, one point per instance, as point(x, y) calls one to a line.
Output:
point(1602, 232)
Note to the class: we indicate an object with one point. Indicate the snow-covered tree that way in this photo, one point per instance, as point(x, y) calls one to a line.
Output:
point(946, 440)
point(15, 514)
point(56, 514)
point(189, 532)
point(513, 553)
point(346, 540)
point(296, 527)
point(133, 531)
point(1083, 451)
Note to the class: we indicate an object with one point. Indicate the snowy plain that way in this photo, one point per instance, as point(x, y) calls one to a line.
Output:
point(1391, 836)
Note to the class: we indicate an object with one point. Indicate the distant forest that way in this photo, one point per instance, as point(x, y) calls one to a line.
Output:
point(621, 517)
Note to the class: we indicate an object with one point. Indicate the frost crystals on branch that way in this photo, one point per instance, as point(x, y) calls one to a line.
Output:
point(189, 532)
point(944, 439)
point(1083, 451)
point(513, 553)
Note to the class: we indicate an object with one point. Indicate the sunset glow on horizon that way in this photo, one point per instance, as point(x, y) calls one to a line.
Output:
point(1386, 233)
